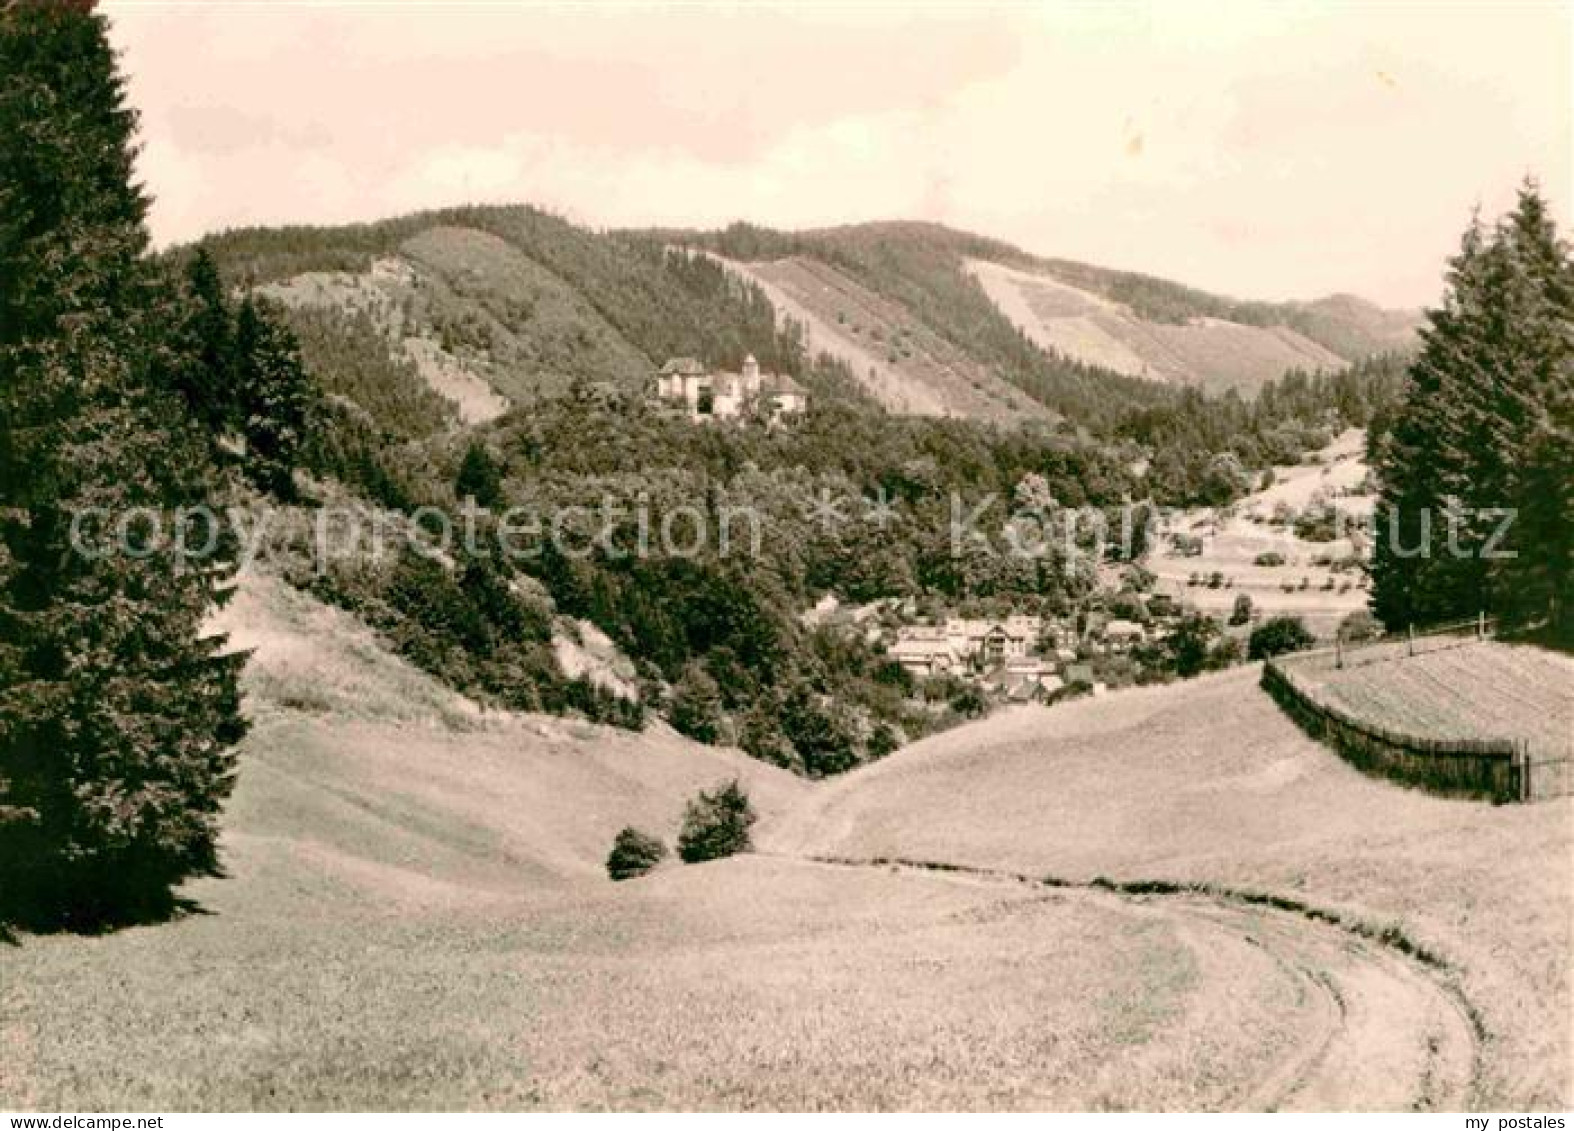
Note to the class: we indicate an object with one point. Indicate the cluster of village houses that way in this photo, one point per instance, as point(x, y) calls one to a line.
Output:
point(1021, 658)
point(691, 387)
point(1018, 657)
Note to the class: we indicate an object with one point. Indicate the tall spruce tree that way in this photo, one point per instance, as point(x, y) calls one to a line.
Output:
point(204, 368)
point(274, 397)
point(117, 716)
point(1535, 581)
point(1482, 437)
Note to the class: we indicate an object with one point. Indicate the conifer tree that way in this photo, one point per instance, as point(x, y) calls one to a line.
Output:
point(275, 397)
point(204, 371)
point(117, 716)
point(480, 478)
point(1533, 581)
point(1482, 437)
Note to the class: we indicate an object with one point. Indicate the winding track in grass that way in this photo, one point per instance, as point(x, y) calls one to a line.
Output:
point(1391, 1031)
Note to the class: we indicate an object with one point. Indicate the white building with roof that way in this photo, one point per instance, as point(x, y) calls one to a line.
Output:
point(708, 395)
point(925, 649)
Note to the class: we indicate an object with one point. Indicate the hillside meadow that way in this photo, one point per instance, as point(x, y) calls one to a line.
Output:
point(414, 914)
point(1235, 541)
point(1207, 782)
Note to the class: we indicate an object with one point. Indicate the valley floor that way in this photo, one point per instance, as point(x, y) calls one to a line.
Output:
point(416, 916)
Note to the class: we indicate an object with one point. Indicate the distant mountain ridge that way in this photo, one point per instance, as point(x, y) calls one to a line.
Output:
point(1129, 323)
point(492, 307)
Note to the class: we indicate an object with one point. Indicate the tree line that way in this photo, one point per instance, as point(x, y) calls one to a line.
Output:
point(1476, 512)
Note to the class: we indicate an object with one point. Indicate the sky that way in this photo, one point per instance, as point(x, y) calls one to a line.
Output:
point(1266, 151)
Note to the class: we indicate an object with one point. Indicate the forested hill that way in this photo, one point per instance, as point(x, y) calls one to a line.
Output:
point(502, 355)
point(488, 307)
point(1133, 324)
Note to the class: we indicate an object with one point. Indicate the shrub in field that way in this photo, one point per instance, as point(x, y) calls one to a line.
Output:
point(1317, 524)
point(883, 740)
point(1276, 636)
point(1358, 626)
point(1271, 558)
point(633, 854)
point(970, 702)
point(716, 824)
point(1242, 611)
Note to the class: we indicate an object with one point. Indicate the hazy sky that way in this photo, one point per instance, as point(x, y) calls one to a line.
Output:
point(1266, 151)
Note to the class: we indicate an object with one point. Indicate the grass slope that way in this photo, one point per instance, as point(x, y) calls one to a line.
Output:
point(1459, 690)
point(414, 916)
point(1207, 781)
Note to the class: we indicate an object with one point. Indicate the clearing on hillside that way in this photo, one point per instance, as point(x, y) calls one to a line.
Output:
point(898, 361)
point(1212, 353)
point(1255, 550)
point(486, 326)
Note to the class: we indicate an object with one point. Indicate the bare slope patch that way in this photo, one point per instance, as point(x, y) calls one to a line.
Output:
point(1212, 353)
point(901, 363)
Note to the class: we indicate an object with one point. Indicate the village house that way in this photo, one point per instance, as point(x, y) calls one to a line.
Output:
point(1027, 679)
point(925, 650)
point(1058, 636)
point(962, 643)
point(1121, 635)
point(707, 395)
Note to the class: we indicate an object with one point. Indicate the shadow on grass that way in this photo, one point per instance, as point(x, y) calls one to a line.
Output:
point(1555, 637)
point(91, 918)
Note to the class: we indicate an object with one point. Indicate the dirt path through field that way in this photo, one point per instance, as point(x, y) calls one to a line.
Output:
point(1390, 1031)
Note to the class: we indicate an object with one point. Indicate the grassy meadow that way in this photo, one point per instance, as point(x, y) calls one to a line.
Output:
point(415, 915)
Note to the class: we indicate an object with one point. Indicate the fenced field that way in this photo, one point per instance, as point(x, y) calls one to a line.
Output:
point(1450, 709)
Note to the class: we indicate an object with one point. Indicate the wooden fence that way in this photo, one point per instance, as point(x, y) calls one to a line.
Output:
point(1498, 769)
point(1402, 645)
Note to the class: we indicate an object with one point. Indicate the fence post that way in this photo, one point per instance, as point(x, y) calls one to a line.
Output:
point(1410, 640)
point(1481, 625)
point(1525, 788)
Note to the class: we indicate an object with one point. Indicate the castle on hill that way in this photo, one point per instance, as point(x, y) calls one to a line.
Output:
point(706, 395)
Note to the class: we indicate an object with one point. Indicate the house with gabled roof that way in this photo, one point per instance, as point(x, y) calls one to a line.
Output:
point(702, 394)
